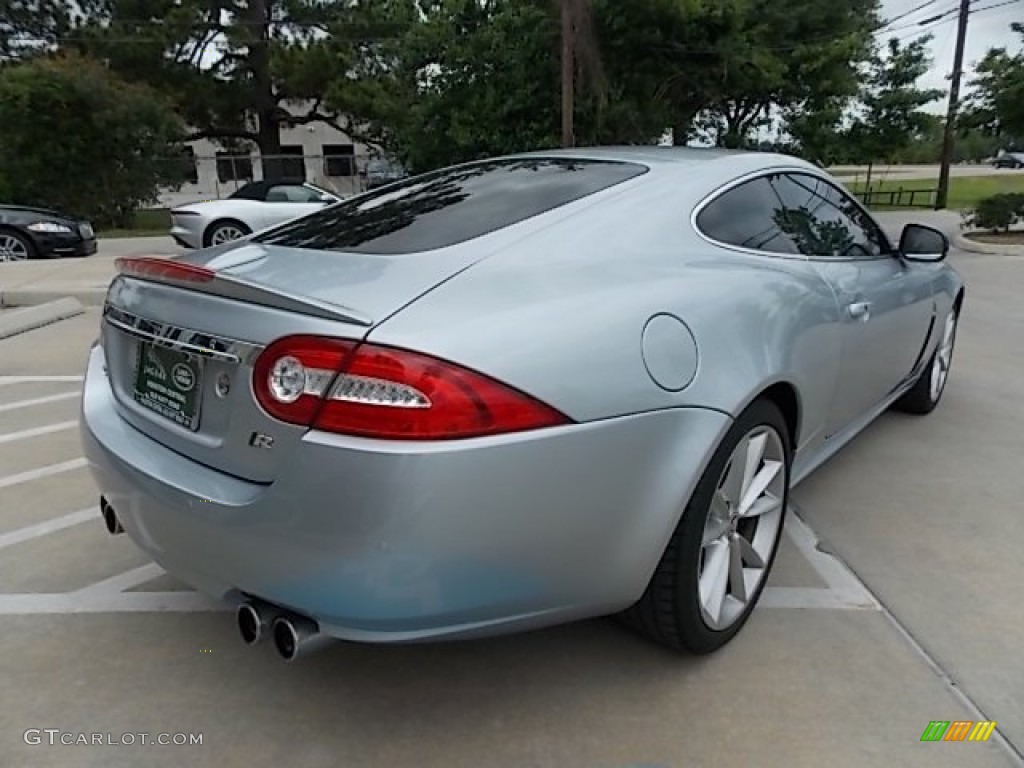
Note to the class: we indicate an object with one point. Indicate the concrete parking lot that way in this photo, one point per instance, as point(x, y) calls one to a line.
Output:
point(895, 602)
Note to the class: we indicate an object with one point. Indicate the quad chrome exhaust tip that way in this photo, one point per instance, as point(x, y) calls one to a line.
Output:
point(254, 621)
point(110, 521)
point(295, 636)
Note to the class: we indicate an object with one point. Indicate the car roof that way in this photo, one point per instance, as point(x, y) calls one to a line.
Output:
point(649, 155)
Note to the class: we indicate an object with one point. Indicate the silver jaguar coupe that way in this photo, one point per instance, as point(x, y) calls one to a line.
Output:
point(510, 394)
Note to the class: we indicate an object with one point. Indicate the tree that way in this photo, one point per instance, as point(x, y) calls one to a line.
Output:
point(801, 58)
point(996, 105)
point(473, 79)
point(75, 137)
point(236, 69)
point(891, 115)
point(29, 26)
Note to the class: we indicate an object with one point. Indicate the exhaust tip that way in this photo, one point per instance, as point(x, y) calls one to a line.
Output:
point(250, 624)
point(110, 521)
point(286, 639)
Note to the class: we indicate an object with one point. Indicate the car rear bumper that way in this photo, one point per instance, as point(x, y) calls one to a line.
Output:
point(385, 542)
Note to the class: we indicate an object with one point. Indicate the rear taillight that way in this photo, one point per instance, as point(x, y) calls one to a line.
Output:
point(156, 268)
point(387, 393)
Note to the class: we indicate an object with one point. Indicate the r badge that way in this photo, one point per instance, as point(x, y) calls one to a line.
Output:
point(259, 440)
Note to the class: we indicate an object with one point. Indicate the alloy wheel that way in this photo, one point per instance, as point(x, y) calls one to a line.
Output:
point(943, 357)
point(225, 234)
point(742, 527)
point(12, 248)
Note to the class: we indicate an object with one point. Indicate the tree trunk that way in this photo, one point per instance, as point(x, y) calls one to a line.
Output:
point(568, 75)
point(268, 132)
point(681, 130)
point(867, 184)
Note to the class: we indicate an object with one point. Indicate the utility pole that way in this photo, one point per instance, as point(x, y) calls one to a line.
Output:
point(568, 73)
point(942, 195)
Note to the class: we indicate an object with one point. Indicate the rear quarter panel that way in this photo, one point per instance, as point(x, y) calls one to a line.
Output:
point(561, 315)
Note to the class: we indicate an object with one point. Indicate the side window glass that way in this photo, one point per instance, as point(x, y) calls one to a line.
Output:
point(290, 194)
point(823, 221)
point(748, 216)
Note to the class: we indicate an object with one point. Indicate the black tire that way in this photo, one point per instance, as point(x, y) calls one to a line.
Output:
point(26, 243)
point(920, 398)
point(669, 612)
point(212, 230)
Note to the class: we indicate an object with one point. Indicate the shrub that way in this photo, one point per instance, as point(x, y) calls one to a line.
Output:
point(998, 212)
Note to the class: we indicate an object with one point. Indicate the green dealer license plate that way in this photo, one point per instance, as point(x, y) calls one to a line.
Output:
point(169, 382)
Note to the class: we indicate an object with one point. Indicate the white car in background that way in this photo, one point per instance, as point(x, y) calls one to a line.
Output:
point(254, 206)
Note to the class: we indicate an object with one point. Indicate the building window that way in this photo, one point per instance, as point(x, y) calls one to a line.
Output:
point(339, 160)
point(189, 171)
point(293, 164)
point(233, 167)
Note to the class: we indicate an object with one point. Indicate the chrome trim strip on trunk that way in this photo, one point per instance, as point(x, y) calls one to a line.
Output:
point(181, 339)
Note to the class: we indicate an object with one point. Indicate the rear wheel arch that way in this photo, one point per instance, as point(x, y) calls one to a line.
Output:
point(786, 398)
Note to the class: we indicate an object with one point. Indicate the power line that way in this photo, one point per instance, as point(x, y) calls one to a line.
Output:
point(914, 10)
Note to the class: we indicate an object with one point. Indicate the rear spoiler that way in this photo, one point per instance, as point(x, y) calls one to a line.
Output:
point(202, 279)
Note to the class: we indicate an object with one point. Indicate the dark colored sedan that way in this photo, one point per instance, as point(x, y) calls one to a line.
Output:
point(1009, 160)
point(39, 233)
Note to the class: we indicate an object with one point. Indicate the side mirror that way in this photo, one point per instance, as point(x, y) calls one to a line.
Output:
point(921, 243)
point(328, 199)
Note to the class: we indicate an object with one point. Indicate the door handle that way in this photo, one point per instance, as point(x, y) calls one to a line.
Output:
point(861, 309)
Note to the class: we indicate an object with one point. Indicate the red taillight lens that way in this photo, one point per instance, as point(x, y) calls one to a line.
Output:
point(388, 393)
point(155, 268)
point(292, 375)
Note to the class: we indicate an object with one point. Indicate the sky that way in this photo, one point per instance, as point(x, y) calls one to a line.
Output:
point(985, 29)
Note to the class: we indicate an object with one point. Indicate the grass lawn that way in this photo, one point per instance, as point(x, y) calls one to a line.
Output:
point(148, 222)
point(964, 191)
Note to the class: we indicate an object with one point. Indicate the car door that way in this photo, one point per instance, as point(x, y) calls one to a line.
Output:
point(885, 302)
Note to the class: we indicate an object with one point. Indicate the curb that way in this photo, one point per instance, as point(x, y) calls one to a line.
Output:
point(37, 316)
point(973, 246)
point(89, 297)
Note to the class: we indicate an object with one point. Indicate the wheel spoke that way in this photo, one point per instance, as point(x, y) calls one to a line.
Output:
point(717, 520)
point(759, 485)
point(715, 579)
point(748, 554)
point(767, 503)
point(755, 452)
point(736, 581)
point(732, 486)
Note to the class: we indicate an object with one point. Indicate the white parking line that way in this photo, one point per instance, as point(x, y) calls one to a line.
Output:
point(841, 581)
point(48, 429)
point(38, 401)
point(32, 379)
point(49, 526)
point(35, 474)
point(117, 584)
point(122, 602)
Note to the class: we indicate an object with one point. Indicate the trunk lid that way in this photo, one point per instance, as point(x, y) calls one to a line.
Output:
point(180, 355)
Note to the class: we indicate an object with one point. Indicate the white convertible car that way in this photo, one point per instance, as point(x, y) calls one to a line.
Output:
point(255, 206)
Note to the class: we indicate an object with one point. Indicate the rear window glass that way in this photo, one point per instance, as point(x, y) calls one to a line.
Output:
point(450, 206)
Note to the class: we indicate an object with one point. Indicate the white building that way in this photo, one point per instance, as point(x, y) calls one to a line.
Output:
point(317, 152)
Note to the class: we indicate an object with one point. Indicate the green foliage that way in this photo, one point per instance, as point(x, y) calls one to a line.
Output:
point(235, 69)
point(892, 116)
point(996, 105)
point(27, 26)
point(998, 212)
point(75, 137)
point(802, 57)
